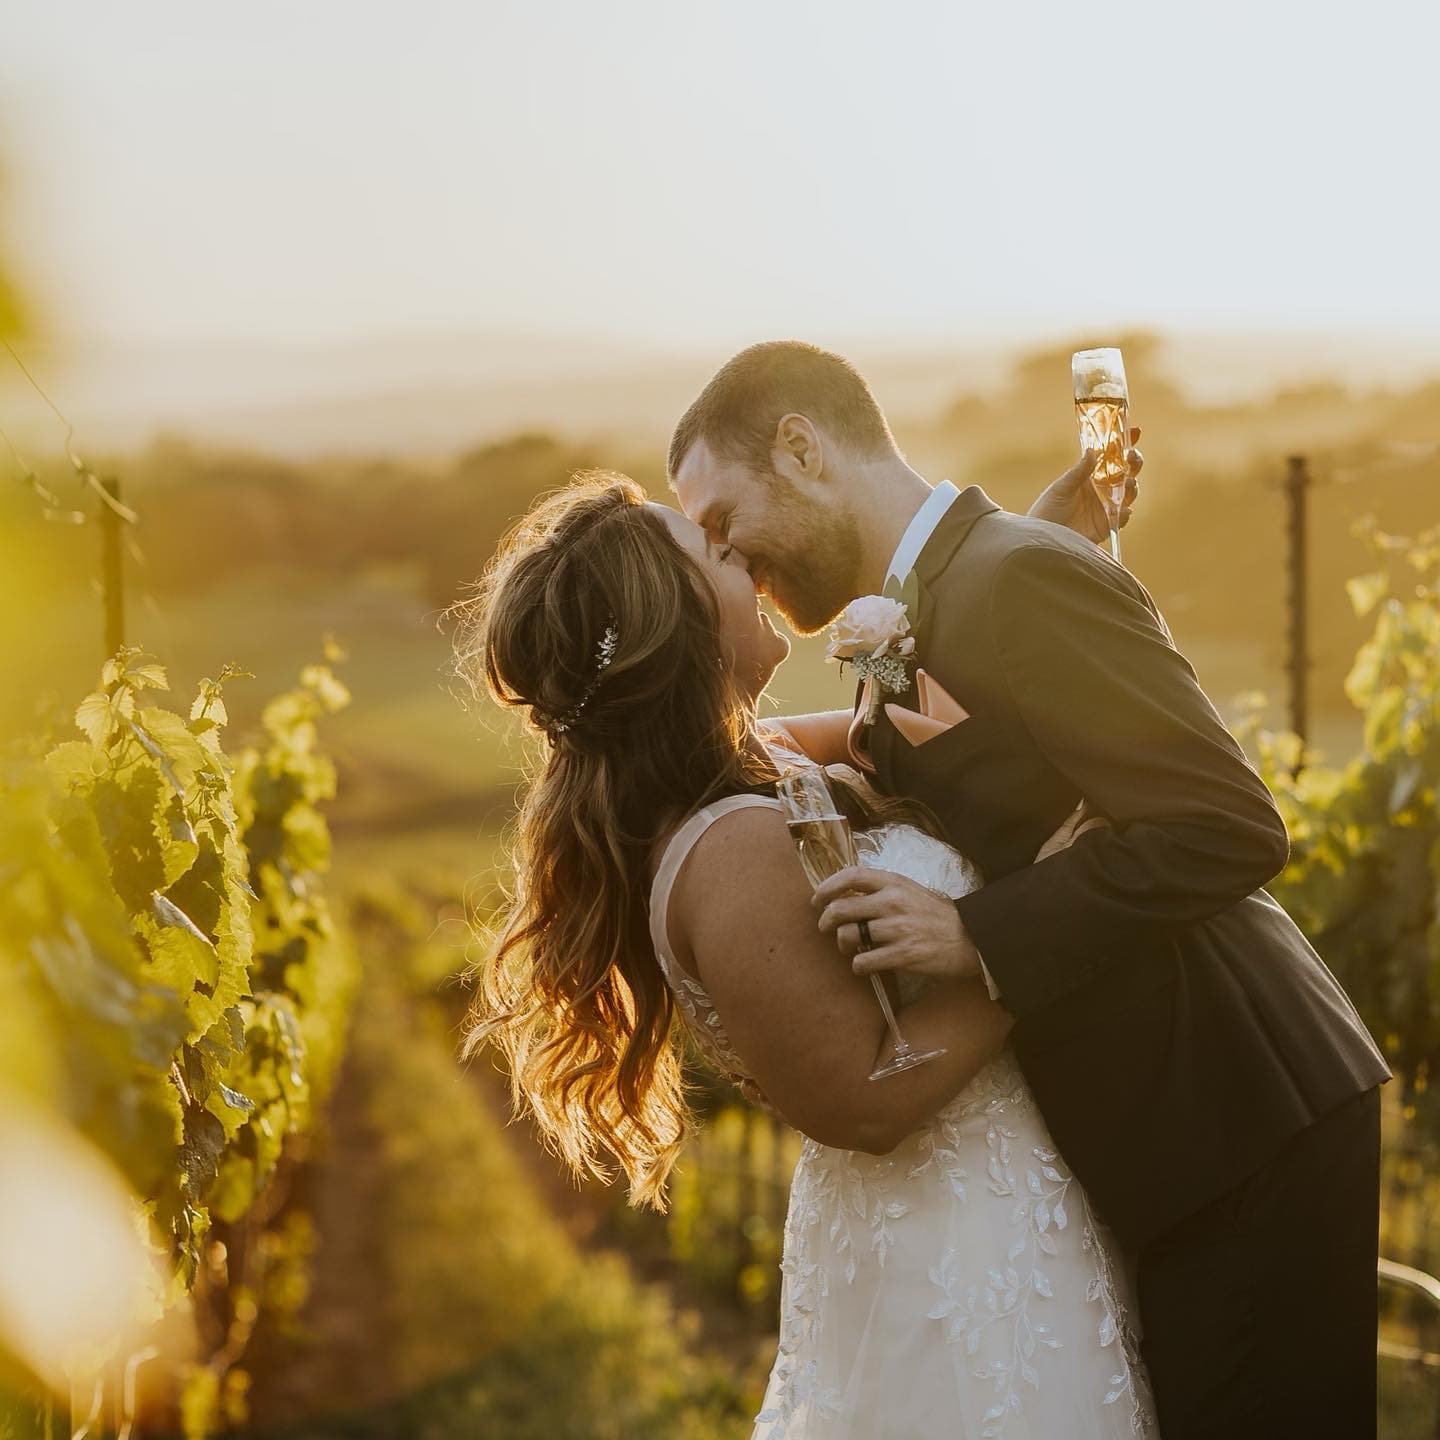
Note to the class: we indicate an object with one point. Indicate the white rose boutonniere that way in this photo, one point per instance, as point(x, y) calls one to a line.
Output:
point(873, 635)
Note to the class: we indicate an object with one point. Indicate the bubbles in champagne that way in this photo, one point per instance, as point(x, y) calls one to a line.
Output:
point(825, 844)
point(1104, 427)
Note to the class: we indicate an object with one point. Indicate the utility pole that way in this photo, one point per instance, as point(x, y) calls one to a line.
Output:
point(112, 571)
point(1297, 663)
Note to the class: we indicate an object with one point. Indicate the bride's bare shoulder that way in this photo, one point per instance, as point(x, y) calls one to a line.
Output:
point(741, 857)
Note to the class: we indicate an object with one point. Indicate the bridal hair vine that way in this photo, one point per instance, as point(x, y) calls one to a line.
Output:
point(604, 654)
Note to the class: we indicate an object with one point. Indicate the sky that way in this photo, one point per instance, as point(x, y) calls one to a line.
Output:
point(668, 172)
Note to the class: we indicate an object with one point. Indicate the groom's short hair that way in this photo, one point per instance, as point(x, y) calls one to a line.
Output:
point(737, 413)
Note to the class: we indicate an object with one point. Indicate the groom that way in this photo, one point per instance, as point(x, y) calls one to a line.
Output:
point(1203, 1073)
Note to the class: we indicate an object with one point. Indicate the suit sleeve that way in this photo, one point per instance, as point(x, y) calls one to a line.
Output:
point(1117, 710)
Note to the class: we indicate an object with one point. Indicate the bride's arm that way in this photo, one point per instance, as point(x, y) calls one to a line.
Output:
point(821, 736)
point(807, 1029)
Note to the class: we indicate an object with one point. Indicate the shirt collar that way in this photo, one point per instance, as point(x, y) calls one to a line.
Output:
point(920, 529)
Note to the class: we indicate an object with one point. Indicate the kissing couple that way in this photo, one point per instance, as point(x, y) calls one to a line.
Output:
point(1137, 1194)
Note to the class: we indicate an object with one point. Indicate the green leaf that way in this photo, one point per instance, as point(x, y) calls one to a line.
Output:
point(75, 764)
point(1407, 783)
point(151, 676)
point(209, 709)
point(168, 913)
point(235, 1189)
point(307, 840)
point(204, 1139)
point(180, 961)
point(130, 807)
point(232, 975)
point(1382, 722)
point(95, 717)
point(291, 715)
point(236, 1100)
point(180, 854)
point(182, 748)
point(331, 692)
point(1367, 591)
point(231, 1108)
point(270, 1129)
point(160, 758)
point(292, 1045)
point(1365, 674)
point(200, 890)
point(201, 1074)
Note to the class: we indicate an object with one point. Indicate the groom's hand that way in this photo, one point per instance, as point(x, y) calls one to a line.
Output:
point(911, 928)
point(1072, 501)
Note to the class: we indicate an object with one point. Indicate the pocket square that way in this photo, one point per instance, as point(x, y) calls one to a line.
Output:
point(939, 711)
point(917, 729)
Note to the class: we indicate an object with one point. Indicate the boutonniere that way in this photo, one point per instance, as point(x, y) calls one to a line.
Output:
point(873, 635)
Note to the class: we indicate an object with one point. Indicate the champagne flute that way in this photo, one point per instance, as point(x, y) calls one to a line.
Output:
point(822, 836)
point(1102, 404)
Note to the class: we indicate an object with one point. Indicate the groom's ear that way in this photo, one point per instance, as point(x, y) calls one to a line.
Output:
point(798, 452)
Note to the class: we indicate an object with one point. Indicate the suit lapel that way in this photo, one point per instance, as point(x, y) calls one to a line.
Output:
point(970, 506)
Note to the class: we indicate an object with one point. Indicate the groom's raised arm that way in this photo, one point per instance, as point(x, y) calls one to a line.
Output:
point(1118, 711)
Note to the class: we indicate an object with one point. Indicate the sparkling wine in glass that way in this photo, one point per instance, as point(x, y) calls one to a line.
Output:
point(823, 839)
point(1102, 405)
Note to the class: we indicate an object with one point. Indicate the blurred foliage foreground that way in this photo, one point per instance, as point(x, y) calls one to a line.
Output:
point(175, 1000)
point(172, 1000)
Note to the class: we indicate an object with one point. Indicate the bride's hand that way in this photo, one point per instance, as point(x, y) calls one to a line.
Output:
point(911, 927)
point(1071, 500)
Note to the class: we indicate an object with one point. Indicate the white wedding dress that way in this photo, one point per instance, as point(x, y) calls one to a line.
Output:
point(956, 1287)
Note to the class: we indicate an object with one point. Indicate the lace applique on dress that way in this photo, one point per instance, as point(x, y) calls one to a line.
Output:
point(701, 1020)
point(958, 1285)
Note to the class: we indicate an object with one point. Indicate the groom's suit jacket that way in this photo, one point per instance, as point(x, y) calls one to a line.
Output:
point(1174, 1025)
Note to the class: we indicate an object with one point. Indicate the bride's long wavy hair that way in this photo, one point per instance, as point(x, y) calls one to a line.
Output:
point(570, 990)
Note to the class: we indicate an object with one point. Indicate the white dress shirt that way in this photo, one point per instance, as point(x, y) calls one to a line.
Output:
point(920, 529)
point(907, 552)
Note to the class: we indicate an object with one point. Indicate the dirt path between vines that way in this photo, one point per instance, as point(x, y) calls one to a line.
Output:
point(342, 1361)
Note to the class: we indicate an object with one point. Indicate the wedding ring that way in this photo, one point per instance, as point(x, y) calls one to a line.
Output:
point(866, 943)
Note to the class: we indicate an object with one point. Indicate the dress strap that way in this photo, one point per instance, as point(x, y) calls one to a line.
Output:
point(681, 843)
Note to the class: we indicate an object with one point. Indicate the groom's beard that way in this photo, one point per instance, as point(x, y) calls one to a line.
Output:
point(810, 563)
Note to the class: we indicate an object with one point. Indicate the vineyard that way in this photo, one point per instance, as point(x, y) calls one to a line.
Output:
point(176, 996)
point(248, 1190)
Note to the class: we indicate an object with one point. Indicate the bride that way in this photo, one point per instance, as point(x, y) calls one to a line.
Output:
point(943, 1274)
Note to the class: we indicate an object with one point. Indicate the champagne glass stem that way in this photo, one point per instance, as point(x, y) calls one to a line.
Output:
point(1112, 514)
point(902, 1045)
